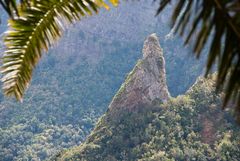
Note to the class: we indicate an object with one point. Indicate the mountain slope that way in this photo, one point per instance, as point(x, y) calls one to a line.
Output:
point(76, 80)
point(189, 127)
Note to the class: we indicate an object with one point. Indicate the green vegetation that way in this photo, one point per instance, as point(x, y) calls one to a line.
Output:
point(36, 29)
point(10, 6)
point(73, 85)
point(216, 23)
point(58, 115)
point(181, 129)
point(42, 22)
point(75, 82)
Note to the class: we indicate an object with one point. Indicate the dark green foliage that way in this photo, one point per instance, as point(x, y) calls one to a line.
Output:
point(72, 87)
point(216, 19)
point(10, 6)
point(176, 130)
point(68, 111)
point(34, 31)
point(71, 100)
point(218, 22)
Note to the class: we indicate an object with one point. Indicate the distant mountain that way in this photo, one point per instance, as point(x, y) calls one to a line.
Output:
point(144, 123)
point(74, 83)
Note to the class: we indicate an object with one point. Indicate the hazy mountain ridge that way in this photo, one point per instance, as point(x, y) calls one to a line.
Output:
point(73, 85)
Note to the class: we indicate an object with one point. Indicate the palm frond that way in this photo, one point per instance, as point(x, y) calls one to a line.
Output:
point(217, 21)
point(10, 6)
point(34, 31)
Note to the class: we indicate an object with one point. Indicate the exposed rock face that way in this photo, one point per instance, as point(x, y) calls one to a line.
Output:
point(146, 83)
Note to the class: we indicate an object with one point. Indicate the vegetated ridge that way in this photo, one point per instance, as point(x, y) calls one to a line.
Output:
point(75, 82)
point(144, 123)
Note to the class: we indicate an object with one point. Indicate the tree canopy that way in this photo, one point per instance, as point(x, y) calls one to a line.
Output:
point(36, 25)
point(217, 22)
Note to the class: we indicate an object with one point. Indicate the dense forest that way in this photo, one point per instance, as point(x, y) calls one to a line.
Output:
point(144, 124)
point(181, 129)
point(75, 82)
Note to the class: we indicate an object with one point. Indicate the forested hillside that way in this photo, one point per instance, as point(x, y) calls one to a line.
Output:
point(144, 123)
point(77, 79)
point(182, 129)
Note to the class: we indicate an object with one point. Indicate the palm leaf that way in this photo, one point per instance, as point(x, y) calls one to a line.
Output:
point(222, 19)
point(36, 29)
point(10, 6)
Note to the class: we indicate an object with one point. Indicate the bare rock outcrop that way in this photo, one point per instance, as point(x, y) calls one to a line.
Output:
point(146, 83)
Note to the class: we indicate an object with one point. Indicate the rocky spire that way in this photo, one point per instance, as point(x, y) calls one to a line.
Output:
point(146, 83)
